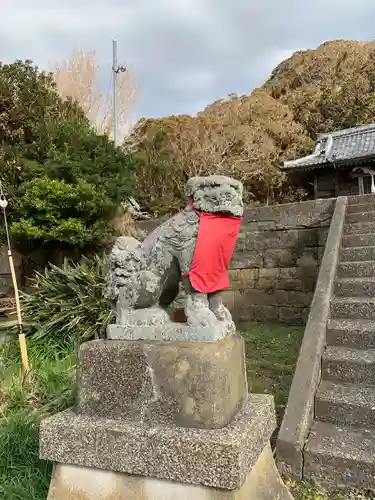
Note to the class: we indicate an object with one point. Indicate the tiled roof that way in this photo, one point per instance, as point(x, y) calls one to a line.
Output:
point(342, 147)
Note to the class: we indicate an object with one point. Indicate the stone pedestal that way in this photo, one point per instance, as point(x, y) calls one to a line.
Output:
point(161, 420)
point(193, 384)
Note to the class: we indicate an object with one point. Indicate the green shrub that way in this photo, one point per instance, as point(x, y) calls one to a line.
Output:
point(66, 304)
point(63, 181)
point(54, 210)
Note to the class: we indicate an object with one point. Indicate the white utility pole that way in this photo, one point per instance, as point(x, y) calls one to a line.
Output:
point(116, 70)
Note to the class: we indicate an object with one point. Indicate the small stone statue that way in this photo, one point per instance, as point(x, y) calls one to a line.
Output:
point(195, 247)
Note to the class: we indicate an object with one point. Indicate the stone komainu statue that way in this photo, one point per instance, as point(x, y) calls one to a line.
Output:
point(195, 247)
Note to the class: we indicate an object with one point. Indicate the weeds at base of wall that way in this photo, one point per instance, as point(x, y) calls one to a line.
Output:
point(308, 491)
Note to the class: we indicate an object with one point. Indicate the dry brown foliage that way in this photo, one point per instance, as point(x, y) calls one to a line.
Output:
point(245, 138)
point(248, 137)
point(125, 225)
point(329, 88)
point(77, 78)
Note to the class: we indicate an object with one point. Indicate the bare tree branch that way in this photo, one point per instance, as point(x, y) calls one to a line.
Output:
point(77, 78)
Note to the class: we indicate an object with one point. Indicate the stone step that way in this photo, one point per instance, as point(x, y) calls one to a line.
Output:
point(355, 287)
point(356, 254)
point(345, 404)
point(358, 240)
point(339, 457)
point(360, 269)
point(353, 308)
point(361, 207)
point(367, 216)
point(348, 365)
point(361, 200)
point(359, 228)
point(358, 334)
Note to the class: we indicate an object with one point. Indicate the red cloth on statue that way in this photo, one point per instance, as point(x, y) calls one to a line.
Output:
point(216, 239)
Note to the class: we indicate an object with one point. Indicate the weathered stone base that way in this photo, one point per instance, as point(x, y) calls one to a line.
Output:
point(71, 482)
point(170, 331)
point(218, 458)
point(190, 384)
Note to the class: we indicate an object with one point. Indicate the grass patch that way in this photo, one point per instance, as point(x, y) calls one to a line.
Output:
point(271, 356)
point(23, 403)
point(22, 475)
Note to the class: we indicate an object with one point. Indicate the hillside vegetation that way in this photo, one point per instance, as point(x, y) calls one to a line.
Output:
point(249, 136)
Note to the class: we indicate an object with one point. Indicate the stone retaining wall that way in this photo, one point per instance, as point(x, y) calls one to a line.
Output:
point(276, 261)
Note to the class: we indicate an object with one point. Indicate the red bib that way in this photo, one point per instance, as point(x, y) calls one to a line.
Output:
point(216, 240)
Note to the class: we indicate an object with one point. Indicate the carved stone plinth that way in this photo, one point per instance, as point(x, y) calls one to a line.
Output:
point(170, 331)
point(191, 384)
point(220, 458)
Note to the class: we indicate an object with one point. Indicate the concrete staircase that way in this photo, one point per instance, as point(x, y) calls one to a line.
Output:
point(340, 450)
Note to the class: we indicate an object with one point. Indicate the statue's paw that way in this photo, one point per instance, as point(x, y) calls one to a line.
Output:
point(201, 317)
point(222, 314)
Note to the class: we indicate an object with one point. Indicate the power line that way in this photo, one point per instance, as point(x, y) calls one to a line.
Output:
point(116, 70)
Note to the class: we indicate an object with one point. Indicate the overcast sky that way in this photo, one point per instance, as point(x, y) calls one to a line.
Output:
point(184, 53)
